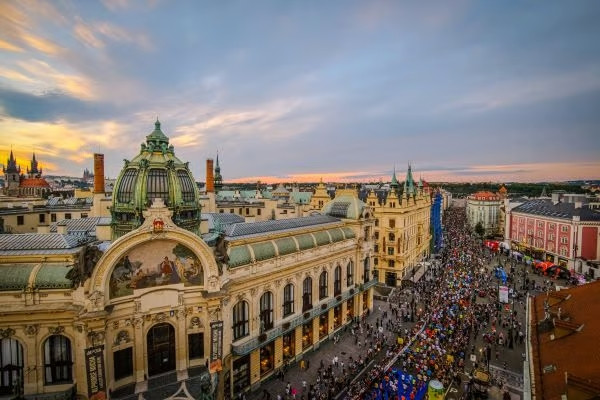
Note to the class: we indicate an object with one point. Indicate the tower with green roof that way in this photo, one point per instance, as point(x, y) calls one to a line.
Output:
point(155, 173)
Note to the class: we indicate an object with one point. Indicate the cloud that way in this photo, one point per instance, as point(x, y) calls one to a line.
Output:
point(51, 106)
point(9, 46)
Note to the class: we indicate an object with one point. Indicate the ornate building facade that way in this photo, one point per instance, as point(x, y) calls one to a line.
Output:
point(160, 309)
point(402, 229)
point(18, 184)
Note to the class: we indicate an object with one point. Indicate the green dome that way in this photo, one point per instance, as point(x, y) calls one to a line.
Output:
point(155, 173)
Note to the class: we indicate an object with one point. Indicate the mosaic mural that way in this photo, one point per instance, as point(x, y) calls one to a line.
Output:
point(155, 263)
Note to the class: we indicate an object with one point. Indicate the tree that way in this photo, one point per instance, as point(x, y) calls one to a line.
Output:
point(479, 229)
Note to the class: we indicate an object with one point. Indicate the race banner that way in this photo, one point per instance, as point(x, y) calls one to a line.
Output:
point(216, 346)
point(94, 365)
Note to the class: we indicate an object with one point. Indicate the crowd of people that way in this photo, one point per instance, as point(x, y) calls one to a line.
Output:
point(397, 358)
point(451, 320)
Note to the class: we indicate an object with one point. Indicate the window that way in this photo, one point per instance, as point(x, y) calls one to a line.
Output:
point(350, 273)
point(323, 285)
point(391, 237)
point(127, 186)
point(240, 211)
point(307, 294)
point(247, 211)
point(11, 365)
point(52, 217)
point(157, 185)
point(266, 311)
point(391, 264)
point(67, 215)
point(188, 194)
point(564, 240)
point(288, 299)
point(221, 211)
point(551, 236)
point(84, 215)
point(564, 228)
point(337, 281)
point(196, 345)
point(376, 235)
point(258, 210)
point(367, 267)
point(390, 251)
point(42, 218)
point(392, 223)
point(540, 233)
point(231, 211)
point(57, 360)
point(376, 221)
point(241, 326)
point(20, 220)
point(123, 362)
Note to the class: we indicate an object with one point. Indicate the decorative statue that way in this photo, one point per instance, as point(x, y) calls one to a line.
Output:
point(221, 252)
point(84, 265)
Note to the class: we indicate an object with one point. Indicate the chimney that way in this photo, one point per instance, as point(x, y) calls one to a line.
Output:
point(98, 173)
point(556, 197)
point(578, 204)
point(210, 179)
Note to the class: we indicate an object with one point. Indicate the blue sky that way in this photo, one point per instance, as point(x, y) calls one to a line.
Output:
point(290, 90)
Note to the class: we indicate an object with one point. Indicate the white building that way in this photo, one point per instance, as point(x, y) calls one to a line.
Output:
point(484, 207)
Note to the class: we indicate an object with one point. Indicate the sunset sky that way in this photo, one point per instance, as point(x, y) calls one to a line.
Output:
point(299, 90)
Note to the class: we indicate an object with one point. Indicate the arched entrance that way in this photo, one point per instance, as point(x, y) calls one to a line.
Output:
point(11, 367)
point(161, 349)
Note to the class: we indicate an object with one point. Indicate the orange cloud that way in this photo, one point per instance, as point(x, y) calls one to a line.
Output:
point(9, 46)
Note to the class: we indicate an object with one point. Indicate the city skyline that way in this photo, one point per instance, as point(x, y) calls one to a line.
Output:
point(299, 92)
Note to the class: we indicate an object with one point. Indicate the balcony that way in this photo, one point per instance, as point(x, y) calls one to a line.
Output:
point(290, 324)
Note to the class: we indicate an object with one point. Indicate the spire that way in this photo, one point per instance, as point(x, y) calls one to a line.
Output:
point(11, 164)
point(544, 192)
point(394, 183)
point(410, 182)
point(218, 180)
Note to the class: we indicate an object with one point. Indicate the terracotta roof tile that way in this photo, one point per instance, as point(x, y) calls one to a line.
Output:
point(576, 353)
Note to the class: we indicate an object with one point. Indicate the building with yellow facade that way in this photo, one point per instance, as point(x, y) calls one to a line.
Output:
point(402, 229)
point(148, 305)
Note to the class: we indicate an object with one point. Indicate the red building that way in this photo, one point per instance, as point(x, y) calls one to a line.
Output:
point(563, 233)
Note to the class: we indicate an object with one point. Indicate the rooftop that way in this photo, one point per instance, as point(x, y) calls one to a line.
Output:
point(547, 208)
point(245, 229)
point(555, 354)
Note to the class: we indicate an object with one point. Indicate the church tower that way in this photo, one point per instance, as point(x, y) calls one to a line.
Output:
point(218, 179)
point(34, 172)
point(12, 176)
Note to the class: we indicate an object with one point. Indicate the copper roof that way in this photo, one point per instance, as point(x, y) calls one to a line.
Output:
point(34, 182)
point(573, 354)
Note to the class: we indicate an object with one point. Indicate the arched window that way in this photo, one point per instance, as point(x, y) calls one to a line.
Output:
point(323, 285)
point(350, 274)
point(307, 294)
point(11, 366)
point(337, 281)
point(288, 299)
point(57, 360)
point(241, 318)
point(391, 237)
point(367, 276)
point(266, 311)
point(157, 184)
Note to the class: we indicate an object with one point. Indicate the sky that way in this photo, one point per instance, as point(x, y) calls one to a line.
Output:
point(302, 90)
